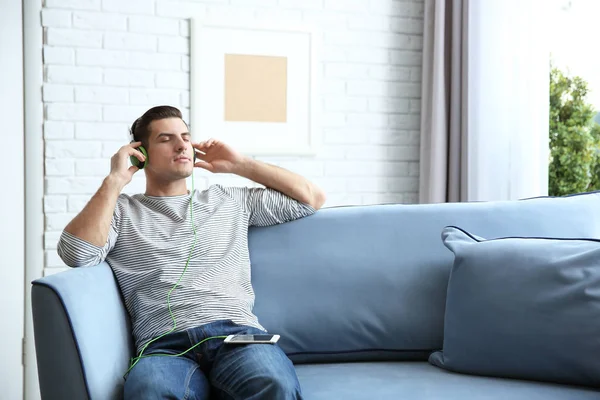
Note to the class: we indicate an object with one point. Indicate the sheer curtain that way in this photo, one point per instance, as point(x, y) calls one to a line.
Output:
point(484, 122)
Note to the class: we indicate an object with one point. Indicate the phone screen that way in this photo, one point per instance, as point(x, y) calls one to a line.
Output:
point(251, 338)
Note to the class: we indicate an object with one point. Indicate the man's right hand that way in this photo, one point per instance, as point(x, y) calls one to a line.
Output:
point(120, 170)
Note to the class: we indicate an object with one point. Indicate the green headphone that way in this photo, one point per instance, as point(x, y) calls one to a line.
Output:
point(141, 164)
point(136, 162)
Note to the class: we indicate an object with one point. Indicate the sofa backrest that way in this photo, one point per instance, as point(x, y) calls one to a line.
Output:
point(369, 282)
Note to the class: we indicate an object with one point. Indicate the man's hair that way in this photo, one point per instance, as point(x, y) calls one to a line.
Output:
point(140, 129)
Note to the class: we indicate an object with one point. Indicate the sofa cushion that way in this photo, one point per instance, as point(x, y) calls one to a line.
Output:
point(422, 381)
point(523, 308)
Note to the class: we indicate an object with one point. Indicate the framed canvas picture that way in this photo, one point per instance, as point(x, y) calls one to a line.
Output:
point(255, 87)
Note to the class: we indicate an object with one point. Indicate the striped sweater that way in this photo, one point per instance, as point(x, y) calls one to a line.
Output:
point(149, 243)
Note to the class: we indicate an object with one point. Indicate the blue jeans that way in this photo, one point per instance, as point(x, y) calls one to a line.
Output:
point(213, 369)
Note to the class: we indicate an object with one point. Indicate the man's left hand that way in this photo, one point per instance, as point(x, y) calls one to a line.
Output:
point(217, 157)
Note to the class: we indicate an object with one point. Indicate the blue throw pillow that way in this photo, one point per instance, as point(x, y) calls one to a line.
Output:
point(523, 308)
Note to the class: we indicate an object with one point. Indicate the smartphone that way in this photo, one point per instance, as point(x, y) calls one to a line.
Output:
point(252, 339)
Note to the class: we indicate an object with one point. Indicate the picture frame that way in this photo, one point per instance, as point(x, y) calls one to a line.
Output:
point(255, 87)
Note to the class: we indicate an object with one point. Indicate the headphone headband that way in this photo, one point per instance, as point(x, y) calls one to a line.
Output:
point(133, 128)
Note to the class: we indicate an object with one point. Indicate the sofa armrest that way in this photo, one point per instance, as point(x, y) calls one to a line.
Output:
point(82, 334)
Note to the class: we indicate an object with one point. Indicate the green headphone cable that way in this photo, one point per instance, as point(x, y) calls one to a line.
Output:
point(135, 360)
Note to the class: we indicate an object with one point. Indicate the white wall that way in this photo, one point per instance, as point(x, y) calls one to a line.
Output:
point(12, 263)
point(107, 61)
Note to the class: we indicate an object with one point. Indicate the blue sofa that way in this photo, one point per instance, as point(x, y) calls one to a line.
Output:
point(357, 293)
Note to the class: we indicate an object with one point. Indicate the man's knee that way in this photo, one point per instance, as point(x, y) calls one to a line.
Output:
point(255, 372)
point(262, 387)
point(282, 387)
point(155, 378)
point(148, 386)
point(268, 384)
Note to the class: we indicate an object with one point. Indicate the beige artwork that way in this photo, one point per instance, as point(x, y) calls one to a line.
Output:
point(255, 88)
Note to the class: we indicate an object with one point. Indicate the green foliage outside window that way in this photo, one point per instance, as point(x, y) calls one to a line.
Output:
point(574, 137)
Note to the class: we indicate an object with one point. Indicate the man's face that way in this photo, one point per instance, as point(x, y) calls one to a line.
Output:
point(170, 151)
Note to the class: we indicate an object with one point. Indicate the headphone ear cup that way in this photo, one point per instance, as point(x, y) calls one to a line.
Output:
point(136, 162)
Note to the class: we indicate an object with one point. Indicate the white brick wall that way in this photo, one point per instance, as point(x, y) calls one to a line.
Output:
point(107, 61)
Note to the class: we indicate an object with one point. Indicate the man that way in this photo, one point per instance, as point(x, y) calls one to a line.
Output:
point(181, 261)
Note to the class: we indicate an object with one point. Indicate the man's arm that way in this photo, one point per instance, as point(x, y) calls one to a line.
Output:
point(93, 222)
point(282, 180)
point(217, 157)
point(87, 238)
